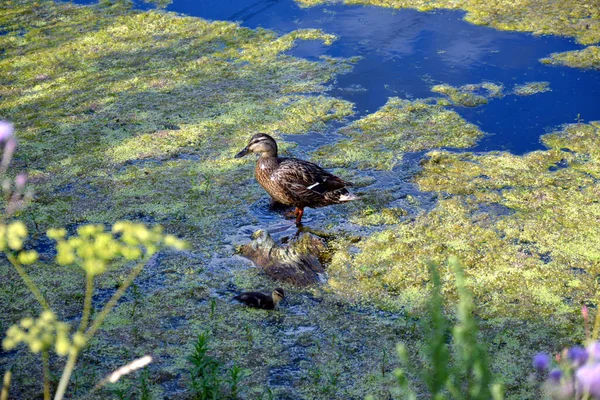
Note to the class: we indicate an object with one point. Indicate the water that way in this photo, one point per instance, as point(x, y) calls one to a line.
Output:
point(405, 52)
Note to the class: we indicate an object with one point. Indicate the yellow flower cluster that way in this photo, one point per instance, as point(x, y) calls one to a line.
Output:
point(12, 237)
point(93, 248)
point(41, 334)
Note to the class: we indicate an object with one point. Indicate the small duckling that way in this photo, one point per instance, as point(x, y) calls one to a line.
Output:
point(261, 300)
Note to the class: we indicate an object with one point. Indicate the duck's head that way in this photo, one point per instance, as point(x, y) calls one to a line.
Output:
point(278, 295)
point(262, 144)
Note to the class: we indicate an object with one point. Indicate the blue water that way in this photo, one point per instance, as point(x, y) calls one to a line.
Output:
point(405, 52)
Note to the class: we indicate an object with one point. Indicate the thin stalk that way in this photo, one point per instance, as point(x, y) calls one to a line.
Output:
point(596, 326)
point(113, 300)
point(66, 375)
point(5, 386)
point(87, 303)
point(28, 282)
point(46, 367)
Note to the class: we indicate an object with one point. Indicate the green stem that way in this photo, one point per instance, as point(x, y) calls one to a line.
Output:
point(113, 300)
point(596, 325)
point(28, 282)
point(46, 367)
point(5, 386)
point(66, 375)
point(87, 303)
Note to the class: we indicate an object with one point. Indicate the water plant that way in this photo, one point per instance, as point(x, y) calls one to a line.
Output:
point(209, 376)
point(397, 127)
point(93, 249)
point(457, 371)
point(587, 58)
point(470, 95)
point(530, 88)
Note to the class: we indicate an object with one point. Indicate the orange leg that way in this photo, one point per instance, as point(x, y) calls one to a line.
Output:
point(299, 212)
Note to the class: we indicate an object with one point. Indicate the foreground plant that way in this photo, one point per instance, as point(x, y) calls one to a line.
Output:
point(576, 370)
point(209, 376)
point(93, 249)
point(459, 371)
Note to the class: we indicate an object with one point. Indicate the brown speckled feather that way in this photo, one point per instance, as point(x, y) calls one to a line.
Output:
point(300, 183)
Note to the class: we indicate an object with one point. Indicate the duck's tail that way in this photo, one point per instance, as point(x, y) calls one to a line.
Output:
point(347, 197)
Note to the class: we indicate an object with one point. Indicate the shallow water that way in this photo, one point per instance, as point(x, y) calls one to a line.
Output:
point(405, 52)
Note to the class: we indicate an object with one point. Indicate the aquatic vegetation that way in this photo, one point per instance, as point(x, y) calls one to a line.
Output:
point(494, 211)
point(580, 20)
point(209, 375)
point(471, 95)
point(465, 369)
point(586, 58)
point(137, 115)
point(399, 126)
point(531, 88)
point(519, 224)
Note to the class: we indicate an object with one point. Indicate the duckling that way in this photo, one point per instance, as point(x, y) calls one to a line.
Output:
point(292, 181)
point(261, 300)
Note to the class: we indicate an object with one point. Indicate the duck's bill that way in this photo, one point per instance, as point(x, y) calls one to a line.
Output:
point(242, 153)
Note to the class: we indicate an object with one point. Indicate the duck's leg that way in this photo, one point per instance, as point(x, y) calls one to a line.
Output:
point(299, 212)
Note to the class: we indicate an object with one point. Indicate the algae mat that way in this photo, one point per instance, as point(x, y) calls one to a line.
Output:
point(131, 115)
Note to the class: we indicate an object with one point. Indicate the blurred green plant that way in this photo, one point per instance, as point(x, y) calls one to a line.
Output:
point(454, 369)
point(94, 250)
point(209, 376)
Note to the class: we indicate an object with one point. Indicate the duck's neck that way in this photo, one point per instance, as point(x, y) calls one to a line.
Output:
point(269, 154)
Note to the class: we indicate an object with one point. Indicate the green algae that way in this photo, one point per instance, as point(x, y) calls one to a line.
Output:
point(399, 126)
point(587, 58)
point(137, 115)
point(511, 212)
point(520, 226)
point(531, 88)
point(145, 127)
point(470, 95)
point(580, 20)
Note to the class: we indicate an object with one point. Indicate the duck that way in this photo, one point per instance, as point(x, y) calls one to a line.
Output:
point(262, 300)
point(294, 182)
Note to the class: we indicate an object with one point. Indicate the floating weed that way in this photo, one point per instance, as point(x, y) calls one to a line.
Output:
point(471, 95)
point(399, 126)
point(587, 58)
point(531, 88)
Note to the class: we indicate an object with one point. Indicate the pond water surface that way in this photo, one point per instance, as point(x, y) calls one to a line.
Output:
point(405, 52)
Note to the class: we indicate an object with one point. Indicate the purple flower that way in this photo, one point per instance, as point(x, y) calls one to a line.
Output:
point(7, 131)
point(588, 380)
point(555, 375)
point(578, 355)
point(20, 181)
point(541, 361)
point(594, 351)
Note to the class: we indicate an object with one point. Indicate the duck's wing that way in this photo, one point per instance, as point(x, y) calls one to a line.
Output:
point(254, 299)
point(304, 175)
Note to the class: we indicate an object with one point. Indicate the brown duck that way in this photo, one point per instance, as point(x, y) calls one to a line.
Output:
point(292, 181)
point(261, 300)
